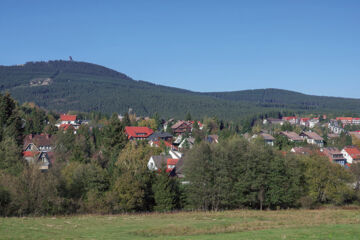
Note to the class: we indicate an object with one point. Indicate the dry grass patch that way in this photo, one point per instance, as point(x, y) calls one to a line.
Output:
point(243, 220)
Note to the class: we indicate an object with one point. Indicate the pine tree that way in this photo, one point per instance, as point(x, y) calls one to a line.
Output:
point(166, 192)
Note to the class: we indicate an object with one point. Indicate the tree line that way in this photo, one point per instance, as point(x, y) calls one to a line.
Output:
point(97, 170)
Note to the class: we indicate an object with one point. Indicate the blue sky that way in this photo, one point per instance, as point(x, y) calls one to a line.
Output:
point(307, 46)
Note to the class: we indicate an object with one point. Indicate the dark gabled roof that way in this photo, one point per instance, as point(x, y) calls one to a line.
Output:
point(160, 160)
point(39, 140)
point(179, 166)
point(159, 135)
point(313, 135)
point(267, 136)
point(180, 123)
point(292, 135)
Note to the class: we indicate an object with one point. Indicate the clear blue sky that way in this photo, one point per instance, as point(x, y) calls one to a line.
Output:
point(311, 46)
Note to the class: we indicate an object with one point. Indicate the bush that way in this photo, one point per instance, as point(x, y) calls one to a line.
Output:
point(5, 200)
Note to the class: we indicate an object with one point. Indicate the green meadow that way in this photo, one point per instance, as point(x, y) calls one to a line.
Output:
point(239, 224)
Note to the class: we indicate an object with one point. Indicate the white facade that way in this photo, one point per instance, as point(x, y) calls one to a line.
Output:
point(175, 154)
point(151, 164)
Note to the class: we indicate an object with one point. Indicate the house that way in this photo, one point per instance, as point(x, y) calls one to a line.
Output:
point(352, 154)
point(312, 138)
point(273, 121)
point(43, 159)
point(356, 121)
point(157, 136)
point(212, 138)
point(158, 144)
point(168, 123)
point(267, 138)
point(175, 154)
point(179, 169)
point(178, 140)
point(313, 122)
point(38, 142)
point(334, 155)
point(291, 120)
point(156, 163)
point(301, 150)
point(138, 133)
point(187, 143)
point(304, 121)
point(334, 127)
point(67, 119)
point(345, 120)
point(181, 127)
point(38, 149)
point(292, 136)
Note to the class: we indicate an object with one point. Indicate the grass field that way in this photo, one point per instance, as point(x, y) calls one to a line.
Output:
point(241, 224)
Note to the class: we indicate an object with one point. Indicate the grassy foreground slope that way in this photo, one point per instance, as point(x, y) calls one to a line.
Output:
point(287, 224)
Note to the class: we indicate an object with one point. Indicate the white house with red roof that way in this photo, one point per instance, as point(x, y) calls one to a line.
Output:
point(66, 121)
point(291, 120)
point(348, 120)
point(352, 154)
point(160, 162)
point(304, 121)
point(138, 133)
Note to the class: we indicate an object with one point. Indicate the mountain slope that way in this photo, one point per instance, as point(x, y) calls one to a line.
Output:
point(289, 99)
point(65, 85)
point(69, 85)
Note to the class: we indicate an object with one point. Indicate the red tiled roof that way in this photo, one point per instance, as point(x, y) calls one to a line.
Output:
point(30, 153)
point(354, 152)
point(344, 118)
point(304, 119)
point(65, 117)
point(172, 161)
point(65, 126)
point(138, 132)
point(288, 118)
point(167, 144)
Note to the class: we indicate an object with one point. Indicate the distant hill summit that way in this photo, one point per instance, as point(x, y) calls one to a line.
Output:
point(279, 98)
point(70, 85)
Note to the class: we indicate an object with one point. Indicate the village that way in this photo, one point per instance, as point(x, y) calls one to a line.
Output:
point(176, 137)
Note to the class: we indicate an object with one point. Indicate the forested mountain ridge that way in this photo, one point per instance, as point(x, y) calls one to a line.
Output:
point(70, 85)
point(272, 97)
